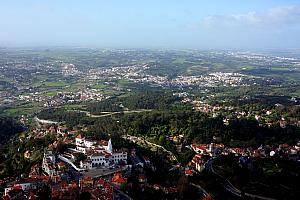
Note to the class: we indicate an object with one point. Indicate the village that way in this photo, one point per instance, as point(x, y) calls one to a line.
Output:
point(95, 167)
point(62, 98)
point(205, 152)
point(102, 171)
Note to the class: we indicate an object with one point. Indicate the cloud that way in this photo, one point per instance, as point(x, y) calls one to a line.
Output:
point(275, 17)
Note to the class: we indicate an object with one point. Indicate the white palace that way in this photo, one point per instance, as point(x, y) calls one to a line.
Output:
point(99, 153)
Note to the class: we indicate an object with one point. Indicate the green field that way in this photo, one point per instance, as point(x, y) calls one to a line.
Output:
point(26, 109)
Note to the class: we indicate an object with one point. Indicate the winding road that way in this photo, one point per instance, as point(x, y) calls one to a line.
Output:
point(106, 114)
point(228, 186)
point(135, 139)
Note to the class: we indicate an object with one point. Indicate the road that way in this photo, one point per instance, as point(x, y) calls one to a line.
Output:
point(205, 194)
point(106, 114)
point(135, 139)
point(228, 186)
point(43, 121)
point(120, 195)
point(75, 174)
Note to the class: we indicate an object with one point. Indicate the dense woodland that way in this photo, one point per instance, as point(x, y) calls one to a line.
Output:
point(196, 127)
point(168, 117)
point(8, 128)
point(72, 118)
point(141, 100)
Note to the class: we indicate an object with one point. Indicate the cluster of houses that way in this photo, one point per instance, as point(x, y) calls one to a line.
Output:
point(70, 97)
point(205, 107)
point(23, 189)
point(265, 117)
point(98, 189)
point(203, 152)
point(46, 127)
point(53, 174)
point(166, 190)
point(54, 168)
point(48, 164)
point(50, 174)
point(62, 98)
point(28, 188)
point(290, 151)
point(196, 163)
point(206, 151)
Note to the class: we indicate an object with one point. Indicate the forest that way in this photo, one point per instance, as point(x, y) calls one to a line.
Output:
point(8, 128)
point(136, 101)
point(195, 126)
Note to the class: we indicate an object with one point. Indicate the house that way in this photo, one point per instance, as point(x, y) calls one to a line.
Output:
point(118, 179)
point(86, 182)
point(72, 132)
point(198, 162)
point(86, 164)
point(142, 179)
point(67, 141)
point(157, 186)
point(27, 154)
point(35, 171)
point(61, 130)
point(65, 190)
point(103, 191)
point(207, 149)
point(62, 166)
point(188, 172)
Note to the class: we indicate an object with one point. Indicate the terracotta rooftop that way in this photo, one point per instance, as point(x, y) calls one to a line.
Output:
point(118, 179)
point(79, 136)
point(189, 172)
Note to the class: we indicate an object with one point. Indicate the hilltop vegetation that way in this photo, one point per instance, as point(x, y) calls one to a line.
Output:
point(137, 101)
point(8, 128)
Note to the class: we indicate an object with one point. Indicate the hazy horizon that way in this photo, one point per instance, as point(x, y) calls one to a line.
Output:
point(154, 24)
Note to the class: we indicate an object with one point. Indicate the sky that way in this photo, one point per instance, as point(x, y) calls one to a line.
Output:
point(196, 24)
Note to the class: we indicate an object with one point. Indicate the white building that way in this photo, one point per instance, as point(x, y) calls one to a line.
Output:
point(99, 153)
point(48, 164)
point(84, 145)
point(25, 186)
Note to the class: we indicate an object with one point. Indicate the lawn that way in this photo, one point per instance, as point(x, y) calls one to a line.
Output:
point(125, 82)
point(99, 85)
point(26, 109)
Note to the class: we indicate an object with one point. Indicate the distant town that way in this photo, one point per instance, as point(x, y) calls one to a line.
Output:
point(85, 123)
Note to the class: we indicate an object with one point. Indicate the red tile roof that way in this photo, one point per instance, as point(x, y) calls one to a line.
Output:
point(79, 136)
point(189, 172)
point(118, 179)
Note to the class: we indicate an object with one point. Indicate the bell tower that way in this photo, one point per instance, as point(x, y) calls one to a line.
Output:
point(109, 146)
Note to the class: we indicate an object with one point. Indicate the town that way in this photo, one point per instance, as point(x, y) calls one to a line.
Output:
point(137, 124)
point(94, 167)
